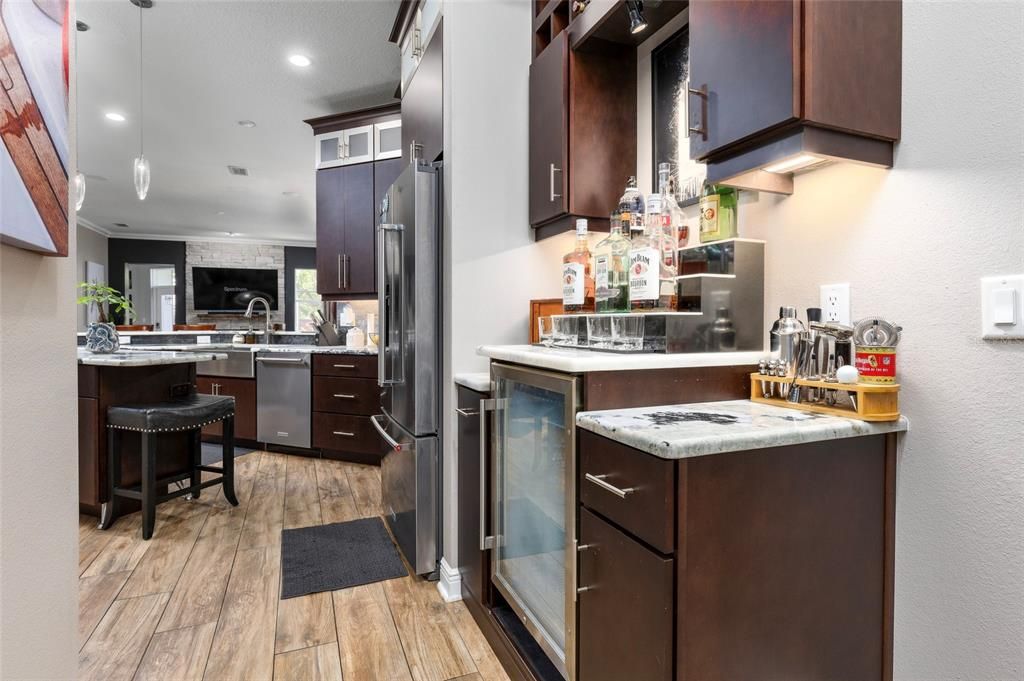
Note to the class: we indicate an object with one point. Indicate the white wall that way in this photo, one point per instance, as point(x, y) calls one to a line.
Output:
point(92, 247)
point(38, 466)
point(913, 242)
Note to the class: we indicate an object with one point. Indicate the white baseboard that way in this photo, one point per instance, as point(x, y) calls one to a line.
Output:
point(449, 582)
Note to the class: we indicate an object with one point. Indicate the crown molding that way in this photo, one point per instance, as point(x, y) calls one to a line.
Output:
point(82, 222)
point(213, 239)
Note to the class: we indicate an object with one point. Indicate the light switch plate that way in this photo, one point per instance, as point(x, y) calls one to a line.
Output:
point(1002, 307)
point(835, 303)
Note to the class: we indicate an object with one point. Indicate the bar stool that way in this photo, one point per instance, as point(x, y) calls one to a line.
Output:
point(185, 414)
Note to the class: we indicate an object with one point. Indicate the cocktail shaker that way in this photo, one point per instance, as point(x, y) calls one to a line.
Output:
point(788, 333)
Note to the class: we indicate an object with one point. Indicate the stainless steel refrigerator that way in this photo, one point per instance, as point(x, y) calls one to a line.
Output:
point(409, 356)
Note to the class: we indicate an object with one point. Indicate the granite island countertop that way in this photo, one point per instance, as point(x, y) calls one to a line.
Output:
point(144, 358)
point(581, 360)
point(258, 347)
point(689, 430)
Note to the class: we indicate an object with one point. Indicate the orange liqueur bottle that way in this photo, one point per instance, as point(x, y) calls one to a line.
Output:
point(577, 273)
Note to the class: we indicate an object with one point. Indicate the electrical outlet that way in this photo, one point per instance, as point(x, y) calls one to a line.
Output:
point(835, 303)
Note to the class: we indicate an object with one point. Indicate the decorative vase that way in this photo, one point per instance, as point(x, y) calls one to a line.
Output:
point(102, 338)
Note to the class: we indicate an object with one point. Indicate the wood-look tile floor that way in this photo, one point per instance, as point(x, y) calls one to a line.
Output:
point(201, 599)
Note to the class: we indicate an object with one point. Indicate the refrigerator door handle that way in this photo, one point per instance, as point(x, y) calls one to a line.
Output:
point(390, 304)
point(394, 444)
point(381, 305)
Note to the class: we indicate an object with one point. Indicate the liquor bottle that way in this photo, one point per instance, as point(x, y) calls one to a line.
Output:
point(577, 276)
point(717, 212)
point(671, 223)
point(611, 270)
point(645, 261)
point(631, 209)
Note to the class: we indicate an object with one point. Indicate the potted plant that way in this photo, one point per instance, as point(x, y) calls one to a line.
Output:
point(102, 336)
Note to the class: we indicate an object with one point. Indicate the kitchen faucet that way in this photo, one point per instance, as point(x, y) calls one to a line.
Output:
point(249, 313)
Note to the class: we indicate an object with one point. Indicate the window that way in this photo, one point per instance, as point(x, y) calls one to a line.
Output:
point(306, 299)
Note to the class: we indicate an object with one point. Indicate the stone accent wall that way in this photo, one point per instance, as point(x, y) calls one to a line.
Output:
point(226, 254)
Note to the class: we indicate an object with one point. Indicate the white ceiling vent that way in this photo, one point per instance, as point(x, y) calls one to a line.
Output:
point(238, 170)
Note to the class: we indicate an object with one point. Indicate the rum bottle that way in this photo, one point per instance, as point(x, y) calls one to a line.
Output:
point(577, 276)
point(611, 270)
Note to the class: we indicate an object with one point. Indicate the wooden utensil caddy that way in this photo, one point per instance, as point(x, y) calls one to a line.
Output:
point(875, 402)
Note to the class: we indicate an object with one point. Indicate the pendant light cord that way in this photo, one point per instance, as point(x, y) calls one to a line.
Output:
point(141, 147)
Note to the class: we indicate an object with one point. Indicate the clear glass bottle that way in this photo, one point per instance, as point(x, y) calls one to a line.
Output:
point(671, 220)
point(611, 270)
point(645, 261)
point(717, 212)
point(631, 209)
point(577, 275)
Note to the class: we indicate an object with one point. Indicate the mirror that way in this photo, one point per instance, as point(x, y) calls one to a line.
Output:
point(150, 288)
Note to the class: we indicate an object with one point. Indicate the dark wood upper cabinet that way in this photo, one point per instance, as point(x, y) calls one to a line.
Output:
point(774, 80)
point(330, 233)
point(422, 104)
point(744, 52)
point(359, 264)
point(582, 132)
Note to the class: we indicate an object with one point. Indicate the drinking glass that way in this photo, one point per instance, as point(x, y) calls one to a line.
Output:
point(566, 330)
point(599, 330)
point(545, 330)
point(628, 332)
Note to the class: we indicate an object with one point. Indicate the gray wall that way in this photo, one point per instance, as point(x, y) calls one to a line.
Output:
point(92, 247)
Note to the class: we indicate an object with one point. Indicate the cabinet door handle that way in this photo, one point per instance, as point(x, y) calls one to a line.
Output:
point(466, 412)
point(339, 271)
point(344, 366)
point(701, 129)
point(348, 275)
point(551, 180)
point(343, 433)
point(344, 396)
point(486, 541)
point(608, 487)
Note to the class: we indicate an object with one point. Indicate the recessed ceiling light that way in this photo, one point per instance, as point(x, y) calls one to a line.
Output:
point(231, 233)
point(220, 212)
point(114, 116)
point(299, 60)
point(247, 124)
point(122, 225)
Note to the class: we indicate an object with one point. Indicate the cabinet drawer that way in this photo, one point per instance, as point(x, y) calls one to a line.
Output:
point(625, 607)
point(356, 366)
point(647, 507)
point(346, 395)
point(341, 432)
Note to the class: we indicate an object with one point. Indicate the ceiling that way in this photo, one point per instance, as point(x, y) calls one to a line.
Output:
point(207, 65)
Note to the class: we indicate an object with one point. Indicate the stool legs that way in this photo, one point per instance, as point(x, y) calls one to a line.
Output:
point(109, 513)
point(148, 485)
point(228, 444)
point(195, 455)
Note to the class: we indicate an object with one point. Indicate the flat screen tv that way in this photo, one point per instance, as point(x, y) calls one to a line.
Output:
point(229, 289)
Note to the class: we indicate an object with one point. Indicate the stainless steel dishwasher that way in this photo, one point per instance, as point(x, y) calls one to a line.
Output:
point(283, 398)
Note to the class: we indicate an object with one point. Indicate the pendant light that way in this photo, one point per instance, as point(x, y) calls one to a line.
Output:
point(79, 181)
point(140, 169)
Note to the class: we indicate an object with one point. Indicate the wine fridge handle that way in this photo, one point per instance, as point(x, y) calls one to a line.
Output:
point(486, 406)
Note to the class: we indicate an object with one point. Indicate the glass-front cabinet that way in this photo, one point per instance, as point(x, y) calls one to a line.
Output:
point(534, 497)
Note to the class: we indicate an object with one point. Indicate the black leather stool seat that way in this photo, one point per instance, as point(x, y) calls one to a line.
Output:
point(186, 413)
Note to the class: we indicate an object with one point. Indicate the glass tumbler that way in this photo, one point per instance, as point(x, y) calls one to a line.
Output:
point(599, 330)
point(545, 330)
point(566, 329)
point(628, 332)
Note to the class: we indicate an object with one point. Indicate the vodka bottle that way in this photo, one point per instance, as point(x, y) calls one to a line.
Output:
point(611, 270)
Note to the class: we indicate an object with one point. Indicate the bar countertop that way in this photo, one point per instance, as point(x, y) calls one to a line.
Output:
point(144, 358)
point(688, 430)
point(578, 360)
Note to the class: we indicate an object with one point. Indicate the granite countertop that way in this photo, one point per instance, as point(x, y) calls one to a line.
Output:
point(688, 430)
point(258, 347)
point(144, 358)
point(478, 381)
point(575, 361)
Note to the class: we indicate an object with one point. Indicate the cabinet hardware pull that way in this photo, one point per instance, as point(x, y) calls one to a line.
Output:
point(486, 542)
point(343, 433)
point(701, 129)
point(339, 271)
point(466, 412)
point(344, 366)
point(551, 180)
point(344, 396)
point(581, 589)
point(585, 547)
point(608, 487)
point(348, 277)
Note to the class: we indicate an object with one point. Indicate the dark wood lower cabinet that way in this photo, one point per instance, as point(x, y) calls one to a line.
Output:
point(625, 607)
point(345, 396)
point(244, 392)
point(473, 560)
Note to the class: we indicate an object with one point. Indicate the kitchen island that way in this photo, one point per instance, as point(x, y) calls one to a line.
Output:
point(734, 540)
point(128, 377)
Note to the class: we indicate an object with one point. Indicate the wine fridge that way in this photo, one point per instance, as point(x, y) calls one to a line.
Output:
point(533, 538)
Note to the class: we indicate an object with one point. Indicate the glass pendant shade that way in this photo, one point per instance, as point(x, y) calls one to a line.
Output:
point(79, 185)
point(141, 177)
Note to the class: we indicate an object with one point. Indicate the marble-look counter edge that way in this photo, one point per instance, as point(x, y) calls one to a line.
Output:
point(145, 358)
point(213, 347)
point(575, 361)
point(479, 381)
point(702, 429)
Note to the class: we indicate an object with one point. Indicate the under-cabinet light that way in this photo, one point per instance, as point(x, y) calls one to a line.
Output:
point(795, 163)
